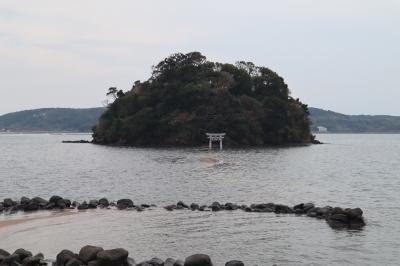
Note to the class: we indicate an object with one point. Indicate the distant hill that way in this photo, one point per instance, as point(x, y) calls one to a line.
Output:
point(51, 120)
point(81, 120)
point(340, 123)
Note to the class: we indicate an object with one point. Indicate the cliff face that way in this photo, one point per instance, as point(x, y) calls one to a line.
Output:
point(187, 96)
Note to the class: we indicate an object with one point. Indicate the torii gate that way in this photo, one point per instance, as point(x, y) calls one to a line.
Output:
point(215, 137)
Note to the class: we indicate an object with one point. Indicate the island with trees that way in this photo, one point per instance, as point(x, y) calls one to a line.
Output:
point(188, 96)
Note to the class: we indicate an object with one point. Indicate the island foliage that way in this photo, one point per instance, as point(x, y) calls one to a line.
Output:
point(188, 96)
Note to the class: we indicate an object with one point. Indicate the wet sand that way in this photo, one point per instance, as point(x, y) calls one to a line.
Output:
point(5, 221)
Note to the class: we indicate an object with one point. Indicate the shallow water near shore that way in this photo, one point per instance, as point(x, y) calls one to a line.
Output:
point(350, 171)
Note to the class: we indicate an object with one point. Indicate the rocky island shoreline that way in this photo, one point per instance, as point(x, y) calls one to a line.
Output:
point(336, 217)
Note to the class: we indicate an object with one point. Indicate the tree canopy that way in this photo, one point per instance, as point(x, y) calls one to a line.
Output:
point(187, 96)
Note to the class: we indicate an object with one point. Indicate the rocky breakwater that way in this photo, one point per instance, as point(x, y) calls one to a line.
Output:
point(97, 256)
point(336, 217)
point(58, 203)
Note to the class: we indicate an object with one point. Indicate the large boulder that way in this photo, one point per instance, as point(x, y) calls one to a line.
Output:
point(198, 260)
point(156, 262)
point(22, 253)
point(54, 199)
point(104, 202)
point(194, 206)
point(215, 206)
point(93, 204)
point(74, 262)
point(32, 261)
point(24, 200)
point(83, 206)
point(113, 257)
point(31, 206)
point(39, 201)
point(11, 260)
point(4, 253)
point(182, 205)
point(64, 256)
point(9, 203)
point(88, 253)
point(169, 262)
point(179, 263)
point(124, 204)
point(234, 263)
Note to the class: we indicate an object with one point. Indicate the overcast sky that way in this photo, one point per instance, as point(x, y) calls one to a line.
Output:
point(342, 55)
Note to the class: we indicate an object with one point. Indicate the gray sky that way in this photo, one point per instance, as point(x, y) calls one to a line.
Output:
point(342, 55)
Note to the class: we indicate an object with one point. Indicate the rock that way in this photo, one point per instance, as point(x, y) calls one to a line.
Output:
point(31, 261)
point(63, 203)
point(88, 253)
point(339, 217)
point(264, 210)
point(94, 263)
point(312, 212)
point(24, 200)
point(299, 211)
point(215, 206)
point(283, 209)
point(354, 213)
point(67, 202)
point(104, 202)
point(170, 207)
point(54, 199)
point(93, 204)
point(156, 262)
point(194, 206)
point(64, 256)
point(179, 263)
point(8, 203)
point(39, 201)
point(169, 262)
point(74, 262)
point(231, 206)
point(22, 253)
point(124, 204)
point(263, 206)
point(308, 206)
point(198, 260)
point(299, 206)
point(248, 209)
point(31, 206)
point(181, 204)
point(144, 263)
point(234, 263)
point(4, 253)
point(323, 211)
point(11, 260)
point(83, 206)
point(338, 210)
point(112, 257)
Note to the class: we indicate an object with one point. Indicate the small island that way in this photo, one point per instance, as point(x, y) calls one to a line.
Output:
point(188, 96)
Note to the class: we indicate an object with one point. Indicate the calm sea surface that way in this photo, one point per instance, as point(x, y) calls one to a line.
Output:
point(349, 171)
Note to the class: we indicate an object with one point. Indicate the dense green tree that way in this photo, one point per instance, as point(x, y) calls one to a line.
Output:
point(187, 96)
